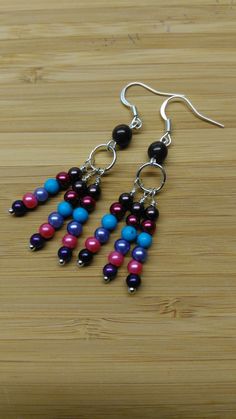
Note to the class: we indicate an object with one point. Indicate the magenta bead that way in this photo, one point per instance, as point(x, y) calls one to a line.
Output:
point(30, 200)
point(118, 210)
point(71, 197)
point(47, 231)
point(92, 244)
point(69, 241)
point(132, 220)
point(88, 203)
point(116, 258)
point(64, 180)
point(135, 267)
point(148, 226)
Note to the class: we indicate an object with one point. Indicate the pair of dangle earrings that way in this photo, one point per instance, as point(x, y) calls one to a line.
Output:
point(82, 186)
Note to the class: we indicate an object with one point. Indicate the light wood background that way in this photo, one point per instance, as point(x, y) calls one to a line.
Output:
point(70, 346)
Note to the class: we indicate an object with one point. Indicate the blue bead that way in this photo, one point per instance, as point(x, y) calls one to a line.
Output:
point(109, 222)
point(65, 254)
point(37, 241)
point(102, 235)
point(80, 214)
point(74, 228)
point(41, 194)
point(56, 220)
point(122, 246)
point(52, 186)
point(139, 254)
point(144, 240)
point(129, 233)
point(65, 209)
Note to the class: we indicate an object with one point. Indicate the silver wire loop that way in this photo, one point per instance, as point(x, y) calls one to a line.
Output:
point(91, 159)
point(138, 180)
point(136, 123)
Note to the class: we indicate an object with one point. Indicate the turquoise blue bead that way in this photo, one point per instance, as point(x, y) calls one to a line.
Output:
point(109, 221)
point(65, 209)
point(144, 240)
point(80, 214)
point(129, 233)
point(52, 186)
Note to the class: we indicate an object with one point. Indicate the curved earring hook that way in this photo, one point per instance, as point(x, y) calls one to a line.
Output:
point(180, 98)
point(133, 107)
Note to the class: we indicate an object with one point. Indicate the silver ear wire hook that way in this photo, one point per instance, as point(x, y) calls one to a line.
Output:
point(137, 122)
point(178, 98)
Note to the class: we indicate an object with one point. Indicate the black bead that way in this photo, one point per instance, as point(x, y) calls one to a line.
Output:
point(85, 257)
point(94, 191)
point(19, 208)
point(133, 281)
point(158, 151)
point(137, 208)
point(122, 135)
point(80, 187)
point(65, 254)
point(37, 241)
point(151, 213)
point(75, 174)
point(126, 199)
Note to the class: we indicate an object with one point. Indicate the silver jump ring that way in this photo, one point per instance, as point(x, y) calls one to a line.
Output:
point(140, 183)
point(91, 159)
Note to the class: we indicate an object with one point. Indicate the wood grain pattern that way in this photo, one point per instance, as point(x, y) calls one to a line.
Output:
point(71, 347)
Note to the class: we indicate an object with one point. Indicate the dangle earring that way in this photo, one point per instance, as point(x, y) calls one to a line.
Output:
point(142, 213)
point(82, 187)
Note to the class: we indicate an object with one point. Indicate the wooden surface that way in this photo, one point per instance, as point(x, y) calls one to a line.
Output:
point(70, 346)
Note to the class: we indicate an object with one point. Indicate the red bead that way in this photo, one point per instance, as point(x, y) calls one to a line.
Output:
point(135, 267)
point(148, 226)
point(116, 258)
point(88, 203)
point(30, 200)
point(64, 180)
point(132, 220)
point(92, 244)
point(47, 231)
point(118, 210)
point(71, 197)
point(69, 241)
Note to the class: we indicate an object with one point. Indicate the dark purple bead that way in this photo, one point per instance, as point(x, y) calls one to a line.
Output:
point(158, 151)
point(64, 255)
point(118, 210)
point(71, 197)
point(36, 242)
point(19, 208)
point(151, 213)
point(80, 187)
point(132, 220)
point(75, 174)
point(122, 135)
point(126, 199)
point(88, 203)
point(137, 209)
point(64, 180)
point(85, 257)
point(133, 281)
point(94, 191)
point(109, 272)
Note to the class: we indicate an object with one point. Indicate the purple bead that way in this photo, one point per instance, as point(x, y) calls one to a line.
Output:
point(19, 208)
point(36, 242)
point(102, 235)
point(122, 246)
point(41, 194)
point(74, 228)
point(56, 220)
point(64, 255)
point(133, 281)
point(139, 254)
point(109, 272)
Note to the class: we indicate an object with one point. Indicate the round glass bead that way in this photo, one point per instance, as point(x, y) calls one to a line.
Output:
point(41, 194)
point(65, 254)
point(92, 244)
point(139, 254)
point(122, 246)
point(37, 241)
point(71, 197)
point(19, 208)
point(30, 200)
point(109, 222)
point(118, 210)
point(135, 267)
point(74, 228)
point(144, 240)
point(102, 235)
point(129, 233)
point(56, 220)
point(52, 186)
point(64, 180)
point(133, 281)
point(69, 241)
point(47, 231)
point(116, 258)
point(65, 209)
point(80, 214)
point(109, 272)
point(85, 257)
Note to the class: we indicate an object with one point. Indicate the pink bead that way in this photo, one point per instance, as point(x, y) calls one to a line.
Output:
point(69, 241)
point(135, 267)
point(46, 230)
point(116, 258)
point(92, 244)
point(30, 200)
